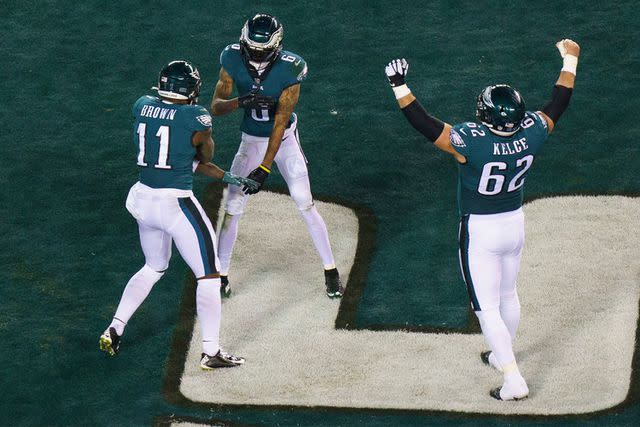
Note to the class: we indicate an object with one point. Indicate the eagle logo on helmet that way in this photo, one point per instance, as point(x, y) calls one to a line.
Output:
point(261, 41)
point(179, 80)
point(501, 108)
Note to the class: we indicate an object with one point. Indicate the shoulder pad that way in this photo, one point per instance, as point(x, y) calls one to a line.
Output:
point(537, 117)
point(473, 129)
point(533, 119)
point(456, 138)
point(228, 52)
point(201, 115)
point(463, 128)
point(297, 65)
point(138, 104)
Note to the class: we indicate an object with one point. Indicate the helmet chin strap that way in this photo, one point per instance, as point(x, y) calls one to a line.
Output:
point(258, 70)
point(259, 66)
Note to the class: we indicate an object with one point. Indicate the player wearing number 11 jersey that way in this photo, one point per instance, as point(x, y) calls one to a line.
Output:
point(494, 156)
point(173, 137)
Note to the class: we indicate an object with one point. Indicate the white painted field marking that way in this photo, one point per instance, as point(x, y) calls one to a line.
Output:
point(579, 291)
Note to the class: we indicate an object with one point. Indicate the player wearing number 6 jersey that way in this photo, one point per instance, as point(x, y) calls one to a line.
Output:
point(267, 80)
point(173, 137)
point(494, 156)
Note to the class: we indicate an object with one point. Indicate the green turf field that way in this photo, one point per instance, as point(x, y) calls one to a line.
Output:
point(70, 73)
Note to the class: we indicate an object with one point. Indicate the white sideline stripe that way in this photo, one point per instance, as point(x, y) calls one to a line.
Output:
point(579, 292)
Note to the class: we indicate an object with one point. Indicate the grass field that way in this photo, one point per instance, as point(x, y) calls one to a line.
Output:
point(71, 72)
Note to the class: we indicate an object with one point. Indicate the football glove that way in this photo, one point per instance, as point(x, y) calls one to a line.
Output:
point(232, 179)
point(259, 175)
point(256, 100)
point(396, 71)
point(569, 51)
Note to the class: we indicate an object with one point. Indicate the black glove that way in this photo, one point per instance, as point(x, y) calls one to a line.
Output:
point(259, 175)
point(256, 100)
point(396, 72)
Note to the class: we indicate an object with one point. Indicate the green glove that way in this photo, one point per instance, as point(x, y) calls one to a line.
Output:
point(240, 181)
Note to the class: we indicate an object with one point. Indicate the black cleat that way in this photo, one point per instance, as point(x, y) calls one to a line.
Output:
point(495, 393)
point(220, 360)
point(225, 287)
point(110, 342)
point(333, 283)
point(485, 356)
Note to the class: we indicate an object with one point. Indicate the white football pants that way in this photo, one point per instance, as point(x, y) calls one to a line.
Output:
point(166, 215)
point(292, 164)
point(490, 253)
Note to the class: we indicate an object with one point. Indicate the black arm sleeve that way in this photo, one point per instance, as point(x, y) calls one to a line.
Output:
point(559, 102)
point(421, 120)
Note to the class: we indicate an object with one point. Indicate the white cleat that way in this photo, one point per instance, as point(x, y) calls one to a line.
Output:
point(512, 390)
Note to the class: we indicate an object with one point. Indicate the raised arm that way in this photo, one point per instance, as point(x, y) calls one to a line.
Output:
point(570, 51)
point(433, 129)
point(286, 105)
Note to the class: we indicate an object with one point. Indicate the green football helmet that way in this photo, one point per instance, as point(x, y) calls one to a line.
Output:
point(179, 80)
point(261, 39)
point(500, 108)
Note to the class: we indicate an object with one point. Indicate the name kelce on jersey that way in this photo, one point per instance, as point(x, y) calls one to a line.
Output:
point(513, 147)
point(157, 112)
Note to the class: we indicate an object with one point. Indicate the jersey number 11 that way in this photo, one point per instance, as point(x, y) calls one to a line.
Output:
point(163, 152)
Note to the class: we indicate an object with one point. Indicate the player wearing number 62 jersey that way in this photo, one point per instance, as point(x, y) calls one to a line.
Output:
point(492, 179)
point(173, 137)
point(494, 156)
point(267, 80)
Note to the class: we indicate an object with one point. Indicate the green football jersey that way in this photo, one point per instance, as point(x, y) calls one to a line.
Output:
point(492, 179)
point(288, 70)
point(162, 133)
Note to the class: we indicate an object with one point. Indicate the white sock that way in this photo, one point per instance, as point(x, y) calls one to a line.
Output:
point(510, 313)
point(318, 231)
point(133, 296)
point(494, 362)
point(498, 338)
point(209, 309)
point(226, 239)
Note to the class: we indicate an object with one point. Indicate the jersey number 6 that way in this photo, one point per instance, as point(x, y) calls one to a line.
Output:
point(263, 117)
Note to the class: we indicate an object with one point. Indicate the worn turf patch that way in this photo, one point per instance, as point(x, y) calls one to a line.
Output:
point(578, 287)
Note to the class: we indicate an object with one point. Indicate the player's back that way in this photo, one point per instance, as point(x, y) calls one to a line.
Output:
point(162, 133)
point(492, 180)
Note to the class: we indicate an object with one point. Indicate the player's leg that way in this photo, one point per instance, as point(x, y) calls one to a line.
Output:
point(247, 158)
point(509, 301)
point(193, 235)
point(156, 246)
point(481, 263)
point(292, 164)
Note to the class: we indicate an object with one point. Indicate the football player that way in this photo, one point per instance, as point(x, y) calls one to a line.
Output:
point(494, 155)
point(267, 80)
point(170, 131)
